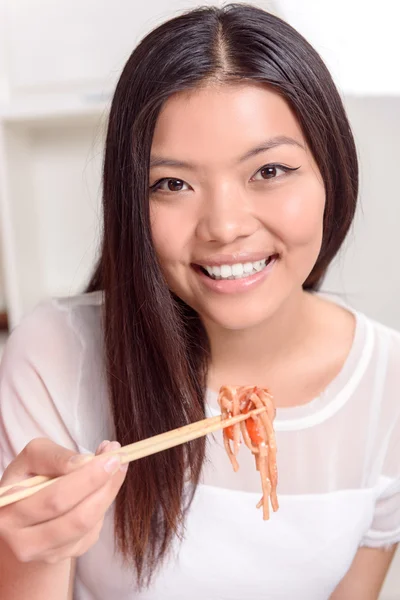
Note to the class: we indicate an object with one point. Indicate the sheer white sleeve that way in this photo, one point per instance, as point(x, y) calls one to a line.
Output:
point(38, 382)
point(385, 527)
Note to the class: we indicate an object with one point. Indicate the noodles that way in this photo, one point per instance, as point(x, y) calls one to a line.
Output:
point(257, 433)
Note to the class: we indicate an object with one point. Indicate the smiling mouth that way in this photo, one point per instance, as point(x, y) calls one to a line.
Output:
point(237, 270)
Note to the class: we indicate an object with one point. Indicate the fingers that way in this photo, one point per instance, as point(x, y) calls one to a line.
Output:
point(26, 547)
point(75, 549)
point(101, 447)
point(75, 529)
point(63, 495)
point(41, 456)
point(65, 519)
point(70, 534)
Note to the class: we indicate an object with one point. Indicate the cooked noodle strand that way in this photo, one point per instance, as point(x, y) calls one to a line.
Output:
point(257, 433)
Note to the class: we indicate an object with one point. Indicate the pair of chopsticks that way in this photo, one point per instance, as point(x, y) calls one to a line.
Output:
point(135, 451)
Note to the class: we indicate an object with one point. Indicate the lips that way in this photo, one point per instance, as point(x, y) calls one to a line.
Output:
point(232, 284)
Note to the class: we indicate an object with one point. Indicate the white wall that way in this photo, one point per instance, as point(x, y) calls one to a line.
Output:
point(366, 271)
point(358, 39)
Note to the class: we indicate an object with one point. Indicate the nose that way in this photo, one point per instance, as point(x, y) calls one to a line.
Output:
point(227, 216)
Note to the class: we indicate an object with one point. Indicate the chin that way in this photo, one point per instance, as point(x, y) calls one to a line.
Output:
point(240, 324)
point(239, 318)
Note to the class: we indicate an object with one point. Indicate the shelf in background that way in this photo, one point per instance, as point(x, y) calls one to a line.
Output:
point(50, 188)
point(37, 111)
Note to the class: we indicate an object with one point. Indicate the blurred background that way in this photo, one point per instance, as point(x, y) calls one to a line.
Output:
point(59, 62)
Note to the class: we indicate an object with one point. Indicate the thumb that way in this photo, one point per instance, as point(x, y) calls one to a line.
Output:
point(41, 456)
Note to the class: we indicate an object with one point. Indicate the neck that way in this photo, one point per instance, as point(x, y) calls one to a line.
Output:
point(247, 352)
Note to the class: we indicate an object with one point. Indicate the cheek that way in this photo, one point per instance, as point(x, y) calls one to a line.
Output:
point(171, 233)
point(159, 233)
point(301, 215)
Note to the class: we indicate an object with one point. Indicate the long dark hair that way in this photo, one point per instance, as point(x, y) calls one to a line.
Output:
point(156, 347)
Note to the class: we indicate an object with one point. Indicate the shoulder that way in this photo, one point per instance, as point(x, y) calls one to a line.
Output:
point(384, 332)
point(372, 368)
point(51, 376)
point(379, 384)
point(382, 341)
point(53, 337)
point(385, 342)
point(385, 361)
point(59, 319)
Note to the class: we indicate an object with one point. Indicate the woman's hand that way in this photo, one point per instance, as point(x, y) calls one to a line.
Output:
point(64, 519)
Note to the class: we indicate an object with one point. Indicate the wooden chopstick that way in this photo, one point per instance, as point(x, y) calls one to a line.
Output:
point(135, 451)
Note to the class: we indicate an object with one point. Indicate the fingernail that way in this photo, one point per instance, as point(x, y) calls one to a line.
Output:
point(112, 465)
point(101, 446)
point(113, 446)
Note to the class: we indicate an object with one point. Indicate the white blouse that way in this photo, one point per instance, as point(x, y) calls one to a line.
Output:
point(338, 464)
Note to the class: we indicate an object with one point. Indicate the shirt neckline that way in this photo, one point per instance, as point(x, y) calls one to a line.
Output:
point(337, 392)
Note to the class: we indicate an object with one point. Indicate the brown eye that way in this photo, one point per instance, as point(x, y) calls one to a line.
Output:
point(268, 172)
point(175, 185)
point(272, 171)
point(168, 184)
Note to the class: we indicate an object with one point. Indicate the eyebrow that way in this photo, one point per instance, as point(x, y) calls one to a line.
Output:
point(274, 142)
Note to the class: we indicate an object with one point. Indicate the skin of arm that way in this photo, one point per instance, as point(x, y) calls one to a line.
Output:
point(364, 579)
point(33, 580)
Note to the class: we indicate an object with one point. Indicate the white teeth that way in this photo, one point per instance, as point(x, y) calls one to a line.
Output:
point(259, 265)
point(248, 267)
point(226, 271)
point(236, 271)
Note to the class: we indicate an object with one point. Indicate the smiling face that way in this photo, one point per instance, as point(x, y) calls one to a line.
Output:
point(236, 202)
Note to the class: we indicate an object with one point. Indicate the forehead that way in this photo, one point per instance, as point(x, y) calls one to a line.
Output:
point(222, 120)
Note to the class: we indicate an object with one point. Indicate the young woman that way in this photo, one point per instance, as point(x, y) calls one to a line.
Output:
point(230, 182)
